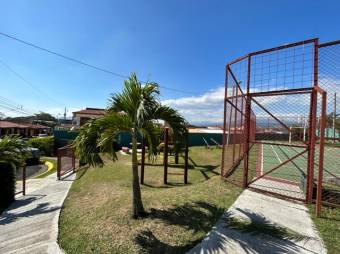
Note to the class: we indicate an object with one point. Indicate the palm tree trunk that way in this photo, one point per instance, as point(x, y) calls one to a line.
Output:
point(137, 203)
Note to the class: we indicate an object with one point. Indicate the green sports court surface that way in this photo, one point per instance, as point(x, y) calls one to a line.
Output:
point(295, 171)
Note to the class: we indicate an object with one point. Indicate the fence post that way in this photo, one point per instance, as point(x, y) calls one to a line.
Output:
point(235, 124)
point(224, 121)
point(73, 160)
point(142, 162)
point(165, 159)
point(311, 147)
point(24, 180)
point(58, 164)
point(247, 131)
point(186, 163)
point(321, 155)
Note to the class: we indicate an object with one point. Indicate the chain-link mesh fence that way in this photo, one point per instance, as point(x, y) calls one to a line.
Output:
point(329, 80)
point(281, 107)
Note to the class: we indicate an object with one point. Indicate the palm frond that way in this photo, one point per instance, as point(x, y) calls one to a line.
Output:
point(13, 150)
point(172, 117)
point(135, 100)
point(98, 136)
point(151, 133)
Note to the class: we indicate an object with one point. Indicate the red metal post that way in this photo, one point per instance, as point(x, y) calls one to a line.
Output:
point(311, 147)
point(241, 136)
point(73, 161)
point(24, 180)
point(321, 154)
point(235, 125)
point(247, 129)
point(186, 158)
point(224, 120)
point(312, 132)
point(142, 162)
point(165, 159)
point(58, 164)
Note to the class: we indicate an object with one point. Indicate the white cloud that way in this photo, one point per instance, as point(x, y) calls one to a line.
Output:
point(207, 108)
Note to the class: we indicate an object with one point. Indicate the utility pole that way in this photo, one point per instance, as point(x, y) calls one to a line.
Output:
point(65, 114)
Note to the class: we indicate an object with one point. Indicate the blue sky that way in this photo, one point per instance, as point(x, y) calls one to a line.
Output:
point(179, 44)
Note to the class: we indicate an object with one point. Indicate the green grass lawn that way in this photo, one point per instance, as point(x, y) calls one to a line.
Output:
point(329, 227)
point(96, 217)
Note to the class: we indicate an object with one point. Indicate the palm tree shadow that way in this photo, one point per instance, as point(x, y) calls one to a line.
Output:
point(258, 235)
point(254, 233)
point(81, 171)
point(11, 215)
point(195, 217)
point(149, 243)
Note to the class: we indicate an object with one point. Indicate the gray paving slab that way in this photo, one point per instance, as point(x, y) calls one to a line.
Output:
point(263, 209)
point(30, 224)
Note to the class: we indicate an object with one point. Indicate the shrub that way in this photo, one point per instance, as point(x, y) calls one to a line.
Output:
point(7, 184)
point(45, 145)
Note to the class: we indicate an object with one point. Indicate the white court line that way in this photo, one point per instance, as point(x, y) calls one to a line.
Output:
point(276, 154)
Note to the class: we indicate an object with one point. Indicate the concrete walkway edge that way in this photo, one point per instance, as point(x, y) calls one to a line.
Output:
point(30, 224)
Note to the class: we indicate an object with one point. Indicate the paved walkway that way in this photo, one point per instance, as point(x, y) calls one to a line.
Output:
point(266, 210)
point(30, 224)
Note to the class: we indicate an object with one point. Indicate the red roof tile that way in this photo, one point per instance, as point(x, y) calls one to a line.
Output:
point(8, 124)
point(91, 111)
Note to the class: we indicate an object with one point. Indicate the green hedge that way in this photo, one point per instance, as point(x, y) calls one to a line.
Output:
point(7, 184)
point(44, 144)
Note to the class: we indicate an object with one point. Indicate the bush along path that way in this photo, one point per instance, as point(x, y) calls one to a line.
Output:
point(30, 224)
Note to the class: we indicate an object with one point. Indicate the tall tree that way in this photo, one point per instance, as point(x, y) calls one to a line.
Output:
point(134, 110)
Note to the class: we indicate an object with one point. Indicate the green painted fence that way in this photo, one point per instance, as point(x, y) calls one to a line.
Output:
point(63, 138)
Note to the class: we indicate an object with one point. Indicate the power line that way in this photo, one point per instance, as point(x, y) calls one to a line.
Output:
point(14, 109)
point(8, 104)
point(83, 63)
point(28, 82)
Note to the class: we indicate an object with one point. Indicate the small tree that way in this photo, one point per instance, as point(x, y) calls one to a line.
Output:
point(13, 152)
point(134, 111)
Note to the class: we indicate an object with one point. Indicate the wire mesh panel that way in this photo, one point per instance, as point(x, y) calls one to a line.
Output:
point(267, 119)
point(282, 134)
point(282, 121)
point(66, 161)
point(234, 122)
point(329, 80)
point(283, 68)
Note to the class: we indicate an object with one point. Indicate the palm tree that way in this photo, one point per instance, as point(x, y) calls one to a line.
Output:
point(13, 150)
point(134, 110)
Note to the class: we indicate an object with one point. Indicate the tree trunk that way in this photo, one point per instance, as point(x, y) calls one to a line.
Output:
point(137, 203)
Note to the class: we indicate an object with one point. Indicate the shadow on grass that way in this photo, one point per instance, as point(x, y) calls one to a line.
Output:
point(151, 244)
point(81, 171)
point(197, 217)
point(253, 234)
point(169, 185)
point(157, 186)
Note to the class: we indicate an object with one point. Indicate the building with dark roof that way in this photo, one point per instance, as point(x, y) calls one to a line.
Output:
point(23, 129)
point(82, 116)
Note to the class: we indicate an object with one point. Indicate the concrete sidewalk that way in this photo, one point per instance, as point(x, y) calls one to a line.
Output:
point(263, 209)
point(30, 224)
